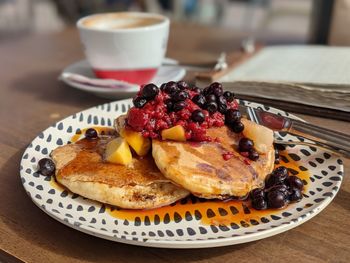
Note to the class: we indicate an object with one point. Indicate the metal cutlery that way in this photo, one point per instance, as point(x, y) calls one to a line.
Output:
point(336, 142)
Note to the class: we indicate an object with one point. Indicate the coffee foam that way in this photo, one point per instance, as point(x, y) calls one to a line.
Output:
point(120, 21)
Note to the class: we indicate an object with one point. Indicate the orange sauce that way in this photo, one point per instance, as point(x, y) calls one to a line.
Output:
point(209, 212)
point(224, 212)
point(56, 185)
point(100, 130)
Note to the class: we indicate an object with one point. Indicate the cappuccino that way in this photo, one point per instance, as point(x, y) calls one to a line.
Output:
point(120, 21)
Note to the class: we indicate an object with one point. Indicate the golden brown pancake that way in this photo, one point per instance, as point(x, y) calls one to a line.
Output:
point(80, 167)
point(201, 169)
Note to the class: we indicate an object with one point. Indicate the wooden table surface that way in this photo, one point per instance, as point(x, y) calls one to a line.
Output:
point(32, 99)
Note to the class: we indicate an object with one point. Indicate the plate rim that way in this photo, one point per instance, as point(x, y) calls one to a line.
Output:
point(183, 244)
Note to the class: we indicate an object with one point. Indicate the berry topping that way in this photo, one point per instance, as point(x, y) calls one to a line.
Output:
point(171, 88)
point(295, 195)
point(180, 96)
point(257, 193)
point(137, 119)
point(46, 167)
point(198, 116)
point(232, 116)
point(253, 155)
point(210, 98)
point(182, 85)
point(139, 102)
point(212, 107)
point(245, 145)
point(281, 172)
point(294, 182)
point(196, 90)
point(216, 89)
point(237, 127)
point(199, 100)
point(91, 133)
point(229, 96)
point(150, 91)
point(175, 103)
point(179, 106)
point(276, 199)
point(259, 203)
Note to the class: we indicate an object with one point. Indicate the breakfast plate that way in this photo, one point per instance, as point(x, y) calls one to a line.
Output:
point(165, 72)
point(191, 222)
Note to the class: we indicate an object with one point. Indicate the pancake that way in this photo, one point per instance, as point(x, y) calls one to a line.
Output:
point(80, 168)
point(201, 169)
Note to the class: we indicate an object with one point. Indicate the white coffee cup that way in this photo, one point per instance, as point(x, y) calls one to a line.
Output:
point(128, 46)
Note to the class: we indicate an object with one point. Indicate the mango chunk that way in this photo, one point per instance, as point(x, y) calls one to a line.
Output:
point(118, 151)
point(140, 144)
point(260, 135)
point(176, 133)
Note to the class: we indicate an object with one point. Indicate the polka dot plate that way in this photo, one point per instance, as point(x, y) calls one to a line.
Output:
point(190, 223)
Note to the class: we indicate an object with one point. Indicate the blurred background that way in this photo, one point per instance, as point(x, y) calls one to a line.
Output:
point(283, 21)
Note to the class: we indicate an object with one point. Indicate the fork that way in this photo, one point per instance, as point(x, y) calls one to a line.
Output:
point(334, 141)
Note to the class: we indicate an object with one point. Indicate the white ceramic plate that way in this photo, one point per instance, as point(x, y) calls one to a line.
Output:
point(191, 223)
point(164, 74)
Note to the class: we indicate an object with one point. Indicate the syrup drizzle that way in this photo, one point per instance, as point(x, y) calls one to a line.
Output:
point(208, 212)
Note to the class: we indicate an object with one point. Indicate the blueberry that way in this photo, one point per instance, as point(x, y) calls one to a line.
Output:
point(222, 108)
point(212, 107)
point(253, 155)
point(280, 187)
point(229, 96)
point(257, 193)
point(294, 182)
point(245, 145)
point(281, 172)
point(180, 96)
point(277, 160)
point(237, 127)
point(222, 104)
point(182, 85)
point(216, 89)
point(276, 199)
point(139, 102)
point(150, 91)
point(198, 116)
point(211, 98)
point(171, 88)
point(199, 100)
point(169, 104)
point(295, 195)
point(259, 203)
point(206, 91)
point(273, 180)
point(196, 90)
point(91, 133)
point(232, 116)
point(179, 105)
point(46, 167)
point(162, 87)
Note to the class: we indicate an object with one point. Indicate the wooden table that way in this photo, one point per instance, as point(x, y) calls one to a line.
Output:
point(32, 99)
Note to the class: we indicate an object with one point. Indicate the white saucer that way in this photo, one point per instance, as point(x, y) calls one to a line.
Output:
point(164, 74)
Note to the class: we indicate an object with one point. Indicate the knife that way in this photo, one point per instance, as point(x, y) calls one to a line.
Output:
point(337, 142)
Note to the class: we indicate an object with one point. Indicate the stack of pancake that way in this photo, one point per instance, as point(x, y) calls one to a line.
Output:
point(171, 172)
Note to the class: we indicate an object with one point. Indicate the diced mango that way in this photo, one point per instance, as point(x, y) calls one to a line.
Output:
point(118, 151)
point(260, 135)
point(176, 133)
point(140, 144)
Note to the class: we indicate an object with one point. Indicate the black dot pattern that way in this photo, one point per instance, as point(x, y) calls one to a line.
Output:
point(325, 169)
